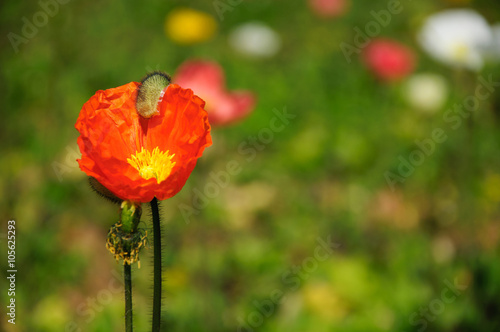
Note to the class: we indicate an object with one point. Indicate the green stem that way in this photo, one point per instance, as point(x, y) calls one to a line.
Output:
point(127, 273)
point(157, 266)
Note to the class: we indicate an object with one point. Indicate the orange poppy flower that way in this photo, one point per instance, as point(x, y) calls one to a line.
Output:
point(138, 158)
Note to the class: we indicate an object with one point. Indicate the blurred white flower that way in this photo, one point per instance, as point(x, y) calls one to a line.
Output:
point(458, 37)
point(255, 39)
point(426, 92)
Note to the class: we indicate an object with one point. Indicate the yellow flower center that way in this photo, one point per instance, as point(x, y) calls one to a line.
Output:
point(156, 164)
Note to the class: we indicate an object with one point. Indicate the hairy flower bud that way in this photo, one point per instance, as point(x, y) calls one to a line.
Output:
point(150, 92)
point(103, 191)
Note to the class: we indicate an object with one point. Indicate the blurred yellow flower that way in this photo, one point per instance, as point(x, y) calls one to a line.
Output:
point(324, 302)
point(174, 278)
point(51, 313)
point(492, 188)
point(189, 26)
point(490, 193)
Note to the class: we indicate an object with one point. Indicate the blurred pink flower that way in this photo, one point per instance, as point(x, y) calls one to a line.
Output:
point(206, 79)
point(389, 60)
point(329, 8)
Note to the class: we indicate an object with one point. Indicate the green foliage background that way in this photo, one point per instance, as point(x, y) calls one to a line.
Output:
point(394, 252)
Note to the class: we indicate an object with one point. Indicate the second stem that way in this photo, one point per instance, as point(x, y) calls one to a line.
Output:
point(157, 266)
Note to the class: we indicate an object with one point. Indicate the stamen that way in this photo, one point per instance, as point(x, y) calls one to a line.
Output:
point(155, 164)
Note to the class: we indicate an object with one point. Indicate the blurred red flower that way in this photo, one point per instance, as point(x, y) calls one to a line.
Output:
point(329, 8)
point(138, 158)
point(207, 79)
point(389, 60)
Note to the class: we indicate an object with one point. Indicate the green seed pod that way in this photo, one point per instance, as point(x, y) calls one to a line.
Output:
point(124, 240)
point(125, 246)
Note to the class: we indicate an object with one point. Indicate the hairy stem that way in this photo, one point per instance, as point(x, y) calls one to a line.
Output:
point(127, 274)
point(157, 266)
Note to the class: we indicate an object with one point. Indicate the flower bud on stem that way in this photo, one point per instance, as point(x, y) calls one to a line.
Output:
point(124, 242)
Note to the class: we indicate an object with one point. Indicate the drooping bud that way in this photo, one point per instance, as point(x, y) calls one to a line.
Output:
point(103, 191)
point(124, 239)
point(149, 93)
